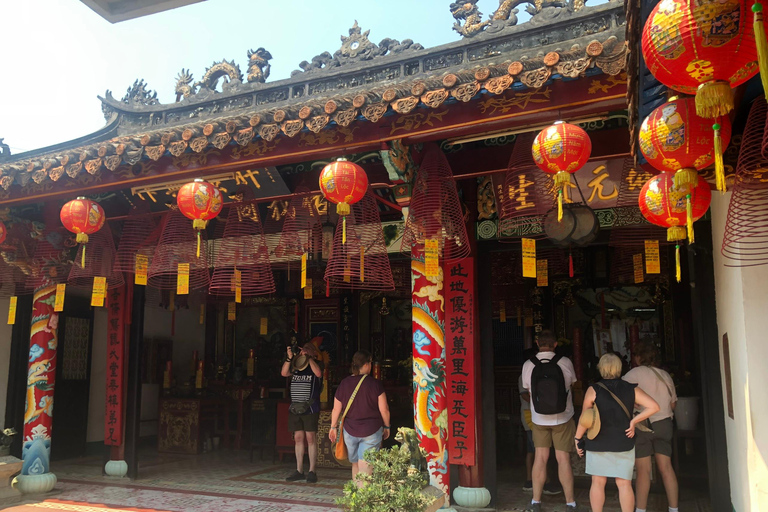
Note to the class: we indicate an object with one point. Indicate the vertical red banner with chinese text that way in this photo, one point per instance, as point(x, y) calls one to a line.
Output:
point(460, 360)
point(113, 422)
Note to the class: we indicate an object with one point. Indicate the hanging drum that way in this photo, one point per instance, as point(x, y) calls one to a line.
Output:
point(559, 231)
point(587, 225)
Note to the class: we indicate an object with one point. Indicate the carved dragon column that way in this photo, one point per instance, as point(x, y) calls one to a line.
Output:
point(36, 476)
point(430, 398)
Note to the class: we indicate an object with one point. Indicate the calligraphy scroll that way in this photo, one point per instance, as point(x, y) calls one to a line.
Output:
point(113, 426)
point(460, 360)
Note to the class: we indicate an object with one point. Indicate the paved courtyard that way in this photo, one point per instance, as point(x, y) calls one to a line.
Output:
point(227, 482)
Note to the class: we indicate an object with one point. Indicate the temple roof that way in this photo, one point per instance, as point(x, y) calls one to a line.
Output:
point(361, 82)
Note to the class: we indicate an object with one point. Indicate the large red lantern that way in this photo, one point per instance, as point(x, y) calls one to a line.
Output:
point(3, 232)
point(82, 217)
point(674, 139)
point(561, 149)
point(343, 183)
point(703, 48)
point(201, 202)
point(675, 208)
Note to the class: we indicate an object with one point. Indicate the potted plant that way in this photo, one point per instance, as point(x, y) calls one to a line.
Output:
point(6, 438)
point(398, 482)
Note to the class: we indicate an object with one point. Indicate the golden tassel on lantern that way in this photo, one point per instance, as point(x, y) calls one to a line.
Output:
point(677, 263)
point(82, 238)
point(689, 219)
point(687, 177)
point(761, 43)
point(675, 233)
point(199, 225)
point(719, 166)
point(559, 205)
point(343, 210)
point(714, 99)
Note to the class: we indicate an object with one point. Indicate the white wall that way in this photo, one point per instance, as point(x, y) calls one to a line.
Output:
point(189, 336)
point(5, 356)
point(742, 307)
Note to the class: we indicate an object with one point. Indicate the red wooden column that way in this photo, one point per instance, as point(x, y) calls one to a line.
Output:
point(36, 476)
point(118, 315)
point(429, 397)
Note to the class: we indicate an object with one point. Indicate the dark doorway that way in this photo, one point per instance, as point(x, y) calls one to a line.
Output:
point(73, 380)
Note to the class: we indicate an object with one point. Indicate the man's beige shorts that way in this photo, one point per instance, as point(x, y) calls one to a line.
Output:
point(560, 436)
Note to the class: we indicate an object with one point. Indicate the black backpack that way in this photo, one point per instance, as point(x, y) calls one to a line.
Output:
point(548, 393)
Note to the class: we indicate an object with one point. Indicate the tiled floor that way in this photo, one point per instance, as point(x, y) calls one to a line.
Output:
point(228, 482)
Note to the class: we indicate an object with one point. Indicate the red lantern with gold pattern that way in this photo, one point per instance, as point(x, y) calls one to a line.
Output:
point(82, 217)
point(675, 208)
point(703, 48)
point(561, 149)
point(201, 202)
point(3, 232)
point(674, 139)
point(343, 183)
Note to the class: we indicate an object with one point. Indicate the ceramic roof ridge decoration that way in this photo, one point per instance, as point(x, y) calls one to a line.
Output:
point(469, 19)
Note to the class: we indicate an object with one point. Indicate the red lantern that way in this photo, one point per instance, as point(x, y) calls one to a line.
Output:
point(675, 208)
point(82, 217)
point(562, 149)
point(343, 183)
point(201, 202)
point(3, 232)
point(703, 48)
point(674, 139)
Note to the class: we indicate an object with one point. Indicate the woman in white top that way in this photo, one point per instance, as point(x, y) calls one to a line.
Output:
point(657, 383)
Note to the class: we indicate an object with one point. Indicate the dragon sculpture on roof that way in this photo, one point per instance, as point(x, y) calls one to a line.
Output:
point(469, 19)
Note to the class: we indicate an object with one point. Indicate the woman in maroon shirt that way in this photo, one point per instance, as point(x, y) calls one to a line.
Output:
point(366, 424)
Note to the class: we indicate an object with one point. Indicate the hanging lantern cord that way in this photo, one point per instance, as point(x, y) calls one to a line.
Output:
point(689, 220)
point(198, 244)
point(677, 262)
point(761, 43)
point(719, 166)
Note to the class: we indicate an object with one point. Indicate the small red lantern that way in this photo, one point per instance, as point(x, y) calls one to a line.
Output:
point(201, 202)
point(674, 139)
point(561, 149)
point(343, 183)
point(703, 48)
point(675, 208)
point(82, 217)
point(3, 232)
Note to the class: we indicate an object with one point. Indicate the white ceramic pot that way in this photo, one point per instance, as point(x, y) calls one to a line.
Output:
point(116, 468)
point(472, 497)
point(34, 484)
point(687, 412)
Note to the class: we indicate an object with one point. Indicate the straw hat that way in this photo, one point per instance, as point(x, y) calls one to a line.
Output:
point(300, 362)
point(590, 419)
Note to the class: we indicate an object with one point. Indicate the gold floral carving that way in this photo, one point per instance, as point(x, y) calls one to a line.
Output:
point(535, 78)
point(245, 136)
point(317, 123)
point(112, 161)
point(434, 99)
point(255, 148)
point(74, 169)
point(613, 64)
point(375, 112)
point(269, 131)
point(155, 152)
point(499, 84)
point(465, 92)
point(292, 127)
point(220, 140)
point(328, 137)
point(178, 148)
point(93, 166)
point(415, 121)
point(405, 105)
point(6, 182)
point(519, 101)
point(573, 68)
point(56, 173)
point(198, 144)
point(345, 117)
point(39, 175)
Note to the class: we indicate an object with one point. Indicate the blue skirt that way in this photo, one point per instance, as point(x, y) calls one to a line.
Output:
point(611, 464)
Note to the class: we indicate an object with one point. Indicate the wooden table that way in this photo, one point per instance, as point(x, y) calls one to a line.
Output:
point(185, 422)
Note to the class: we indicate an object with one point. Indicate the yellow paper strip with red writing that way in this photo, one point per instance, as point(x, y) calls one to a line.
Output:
point(652, 261)
point(142, 264)
point(431, 259)
point(263, 327)
point(99, 291)
point(182, 281)
point(529, 257)
point(58, 305)
point(232, 311)
point(308, 290)
point(542, 273)
point(238, 286)
point(304, 270)
point(637, 261)
point(12, 311)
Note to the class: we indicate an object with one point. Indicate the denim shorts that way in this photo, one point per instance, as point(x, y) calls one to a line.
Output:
point(357, 446)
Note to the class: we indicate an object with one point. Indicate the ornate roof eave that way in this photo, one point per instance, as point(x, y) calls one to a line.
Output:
point(492, 74)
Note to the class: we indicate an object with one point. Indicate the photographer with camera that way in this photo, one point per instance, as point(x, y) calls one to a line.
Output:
point(306, 373)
